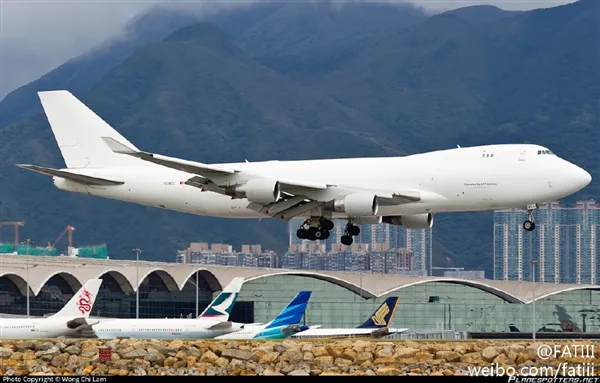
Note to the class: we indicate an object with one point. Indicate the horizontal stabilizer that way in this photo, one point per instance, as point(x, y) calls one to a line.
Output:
point(86, 180)
point(220, 326)
point(81, 324)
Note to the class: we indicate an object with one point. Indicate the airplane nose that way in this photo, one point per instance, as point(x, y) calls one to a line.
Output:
point(587, 178)
point(580, 177)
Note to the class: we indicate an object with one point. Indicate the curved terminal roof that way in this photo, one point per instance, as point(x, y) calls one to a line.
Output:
point(76, 271)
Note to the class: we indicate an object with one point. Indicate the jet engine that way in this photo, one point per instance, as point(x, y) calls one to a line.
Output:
point(259, 190)
point(414, 221)
point(355, 205)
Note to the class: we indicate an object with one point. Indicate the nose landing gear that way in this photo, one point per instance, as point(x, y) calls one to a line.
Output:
point(529, 225)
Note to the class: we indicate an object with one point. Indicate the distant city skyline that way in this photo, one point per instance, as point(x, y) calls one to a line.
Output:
point(564, 244)
point(372, 238)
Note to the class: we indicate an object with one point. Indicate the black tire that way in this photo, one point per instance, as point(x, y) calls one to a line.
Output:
point(312, 234)
point(325, 235)
point(346, 240)
point(353, 230)
point(301, 233)
point(528, 225)
point(327, 224)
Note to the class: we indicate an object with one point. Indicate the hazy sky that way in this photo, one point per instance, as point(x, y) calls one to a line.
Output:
point(36, 36)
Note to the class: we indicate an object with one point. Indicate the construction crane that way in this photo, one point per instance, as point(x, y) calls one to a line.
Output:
point(69, 229)
point(16, 224)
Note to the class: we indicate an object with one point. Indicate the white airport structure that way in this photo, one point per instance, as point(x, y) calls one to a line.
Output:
point(339, 299)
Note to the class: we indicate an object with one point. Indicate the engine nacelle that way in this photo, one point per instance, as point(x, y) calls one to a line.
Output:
point(259, 190)
point(414, 221)
point(355, 205)
point(376, 220)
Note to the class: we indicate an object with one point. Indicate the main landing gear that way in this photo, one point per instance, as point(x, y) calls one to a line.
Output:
point(351, 231)
point(315, 229)
point(318, 229)
point(529, 225)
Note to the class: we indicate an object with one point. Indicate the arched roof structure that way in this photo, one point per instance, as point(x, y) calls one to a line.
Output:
point(128, 275)
point(71, 280)
point(18, 281)
point(121, 280)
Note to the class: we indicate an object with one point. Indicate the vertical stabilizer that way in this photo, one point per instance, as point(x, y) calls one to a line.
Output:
point(292, 313)
point(220, 308)
point(82, 302)
point(382, 317)
point(78, 131)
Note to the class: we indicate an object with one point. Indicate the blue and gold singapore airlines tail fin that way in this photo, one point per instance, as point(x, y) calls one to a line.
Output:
point(288, 321)
point(382, 317)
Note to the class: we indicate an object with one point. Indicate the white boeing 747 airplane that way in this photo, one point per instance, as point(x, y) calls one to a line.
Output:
point(405, 191)
point(212, 322)
point(70, 321)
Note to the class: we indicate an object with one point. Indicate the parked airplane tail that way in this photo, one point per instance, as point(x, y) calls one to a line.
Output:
point(220, 308)
point(83, 300)
point(292, 313)
point(382, 317)
point(78, 131)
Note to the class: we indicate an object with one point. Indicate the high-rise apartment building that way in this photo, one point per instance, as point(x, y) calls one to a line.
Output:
point(564, 244)
point(373, 238)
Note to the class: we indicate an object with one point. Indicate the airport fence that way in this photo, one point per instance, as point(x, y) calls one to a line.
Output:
point(429, 335)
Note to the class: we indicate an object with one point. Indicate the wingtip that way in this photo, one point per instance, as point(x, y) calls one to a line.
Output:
point(116, 146)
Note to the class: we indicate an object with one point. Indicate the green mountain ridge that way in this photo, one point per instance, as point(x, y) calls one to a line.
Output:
point(224, 98)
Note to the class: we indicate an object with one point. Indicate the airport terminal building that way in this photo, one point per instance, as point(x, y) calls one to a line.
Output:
point(339, 299)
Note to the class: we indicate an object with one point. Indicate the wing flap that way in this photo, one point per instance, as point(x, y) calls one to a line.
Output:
point(399, 198)
point(83, 179)
point(288, 214)
point(287, 182)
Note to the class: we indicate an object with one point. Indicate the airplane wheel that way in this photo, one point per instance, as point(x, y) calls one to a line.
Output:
point(346, 240)
point(327, 224)
point(353, 230)
point(301, 233)
point(528, 225)
point(312, 234)
point(319, 234)
point(324, 234)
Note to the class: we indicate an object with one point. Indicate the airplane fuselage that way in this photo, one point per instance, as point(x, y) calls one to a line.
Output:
point(34, 328)
point(159, 329)
point(257, 332)
point(341, 333)
point(462, 179)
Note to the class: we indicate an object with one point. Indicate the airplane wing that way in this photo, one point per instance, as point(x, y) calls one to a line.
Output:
point(87, 180)
point(298, 196)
